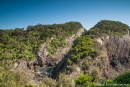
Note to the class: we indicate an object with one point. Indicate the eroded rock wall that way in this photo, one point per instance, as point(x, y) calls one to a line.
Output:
point(118, 51)
point(117, 60)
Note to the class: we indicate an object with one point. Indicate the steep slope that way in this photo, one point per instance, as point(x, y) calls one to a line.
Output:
point(20, 43)
point(118, 51)
point(112, 57)
point(43, 58)
point(34, 49)
point(65, 52)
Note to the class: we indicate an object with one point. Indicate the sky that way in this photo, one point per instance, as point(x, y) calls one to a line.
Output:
point(23, 13)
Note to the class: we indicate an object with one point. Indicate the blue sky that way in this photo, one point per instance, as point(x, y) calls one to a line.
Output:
point(21, 13)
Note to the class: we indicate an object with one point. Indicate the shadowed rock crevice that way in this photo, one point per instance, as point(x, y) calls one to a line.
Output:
point(56, 70)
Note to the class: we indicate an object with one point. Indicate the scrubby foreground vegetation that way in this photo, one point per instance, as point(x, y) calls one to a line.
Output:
point(85, 61)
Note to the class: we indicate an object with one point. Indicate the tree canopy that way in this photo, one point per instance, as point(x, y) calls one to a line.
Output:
point(19, 43)
point(109, 27)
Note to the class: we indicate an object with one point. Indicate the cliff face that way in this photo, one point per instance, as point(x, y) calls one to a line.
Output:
point(103, 52)
point(118, 51)
point(38, 68)
point(113, 59)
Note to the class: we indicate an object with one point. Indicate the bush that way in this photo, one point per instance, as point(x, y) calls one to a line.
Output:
point(64, 81)
point(123, 79)
point(84, 80)
point(48, 82)
point(28, 85)
point(83, 46)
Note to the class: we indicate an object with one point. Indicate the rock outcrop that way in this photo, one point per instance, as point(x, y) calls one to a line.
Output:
point(42, 56)
point(44, 61)
point(114, 59)
point(67, 53)
point(118, 51)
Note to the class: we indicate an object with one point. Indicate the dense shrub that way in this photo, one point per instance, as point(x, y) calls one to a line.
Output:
point(48, 82)
point(107, 27)
point(20, 43)
point(83, 46)
point(65, 81)
point(123, 79)
point(84, 81)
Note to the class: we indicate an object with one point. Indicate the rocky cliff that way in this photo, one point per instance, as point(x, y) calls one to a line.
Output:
point(102, 52)
point(118, 51)
point(43, 58)
point(113, 58)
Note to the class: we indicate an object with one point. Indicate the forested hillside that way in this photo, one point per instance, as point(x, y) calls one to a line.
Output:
point(70, 56)
point(18, 46)
point(100, 55)
point(107, 27)
point(20, 43)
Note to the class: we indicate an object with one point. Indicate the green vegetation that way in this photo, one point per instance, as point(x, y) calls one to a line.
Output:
point(55, 43)
point(83, 46)
point(9, 78)
point(123, 79)
point(107, 27)
point(84, 81)
point(48, 82)
point(65, 81)
point(120, 81)
point(20, 43)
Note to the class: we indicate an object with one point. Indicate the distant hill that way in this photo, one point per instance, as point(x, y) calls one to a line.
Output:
point(109, 27)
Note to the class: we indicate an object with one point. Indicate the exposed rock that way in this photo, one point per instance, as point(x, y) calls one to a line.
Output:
point(42, 56)
point(103, 40)
point(24, 72)
point(118, 51)
point(116, 55)
point(50, 62)
point(43, 60)
point(114, 59)
point(42, 53)
point(21, 65)
point(66, 52)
